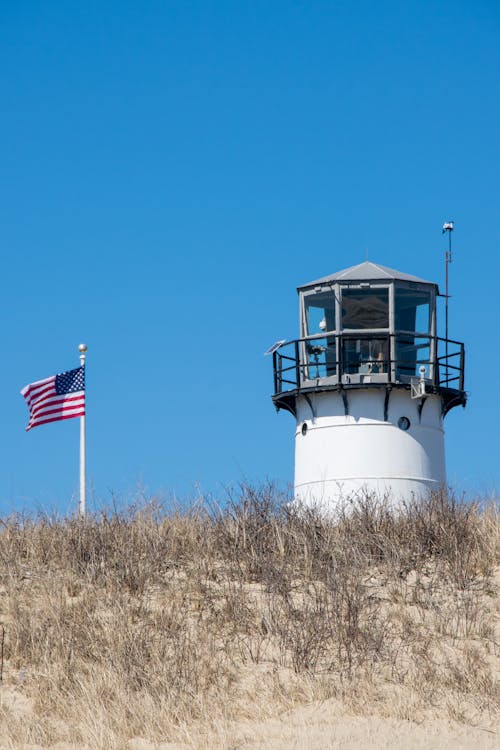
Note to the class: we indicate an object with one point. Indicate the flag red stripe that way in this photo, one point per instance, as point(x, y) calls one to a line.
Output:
point(58, 401)
point(59, 409)
point(54, 419)
point(31, 387)
point(35, 395)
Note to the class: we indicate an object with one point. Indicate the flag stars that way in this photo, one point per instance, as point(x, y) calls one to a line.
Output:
point(71, 381)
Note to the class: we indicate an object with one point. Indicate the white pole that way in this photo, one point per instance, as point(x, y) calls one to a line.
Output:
point(82, 504)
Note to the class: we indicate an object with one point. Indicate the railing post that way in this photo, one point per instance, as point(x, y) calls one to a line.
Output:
point(391, 365)
point(462, 366)
point(432, 358)
point(439, 379)
point(340, 362)
point(275, 373)
point(297, 364)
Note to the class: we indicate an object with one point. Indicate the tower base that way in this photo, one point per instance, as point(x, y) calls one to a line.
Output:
point(367, 442)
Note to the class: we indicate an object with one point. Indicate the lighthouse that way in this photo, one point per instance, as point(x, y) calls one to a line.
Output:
point(369, 383)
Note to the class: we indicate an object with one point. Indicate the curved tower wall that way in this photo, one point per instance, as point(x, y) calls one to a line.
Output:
point(365, 450)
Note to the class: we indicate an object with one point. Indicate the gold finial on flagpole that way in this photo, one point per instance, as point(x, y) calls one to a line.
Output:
point(82, 348)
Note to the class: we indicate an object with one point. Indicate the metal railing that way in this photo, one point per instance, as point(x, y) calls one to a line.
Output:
point(374, 357)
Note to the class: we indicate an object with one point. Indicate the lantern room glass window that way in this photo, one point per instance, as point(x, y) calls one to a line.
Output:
point(321, 356)
point(365, 308)
point(413, 310)
point(413, 325)
point(412, 352)
point(320, 313)
point(365, 355)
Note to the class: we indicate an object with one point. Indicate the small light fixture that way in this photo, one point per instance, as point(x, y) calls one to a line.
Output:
point(322, 324)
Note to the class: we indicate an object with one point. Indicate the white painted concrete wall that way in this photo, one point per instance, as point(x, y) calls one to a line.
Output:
point(344, 455)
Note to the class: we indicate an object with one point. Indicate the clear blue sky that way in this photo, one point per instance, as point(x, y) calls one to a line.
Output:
point(171, 171)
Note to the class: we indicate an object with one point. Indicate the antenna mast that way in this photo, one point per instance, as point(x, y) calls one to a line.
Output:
point(448, 226)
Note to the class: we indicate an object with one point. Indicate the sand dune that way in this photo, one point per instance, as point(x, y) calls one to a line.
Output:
point(251, 629)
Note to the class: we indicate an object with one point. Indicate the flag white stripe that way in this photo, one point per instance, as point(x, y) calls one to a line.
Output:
point(35, 397)
point(52, 412)
point(59, 403)
point(55, 397)
point(35, 387)
point(55, 418)
point(36, 384)
point(73, 411)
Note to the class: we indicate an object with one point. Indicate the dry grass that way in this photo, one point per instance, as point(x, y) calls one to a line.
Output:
point(171, 624)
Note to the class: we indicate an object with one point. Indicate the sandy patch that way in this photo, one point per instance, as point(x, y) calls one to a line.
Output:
point(326, 726)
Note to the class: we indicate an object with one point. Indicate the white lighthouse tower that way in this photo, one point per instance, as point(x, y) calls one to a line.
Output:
point(369, 383)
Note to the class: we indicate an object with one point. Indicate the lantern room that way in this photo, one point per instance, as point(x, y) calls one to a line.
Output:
point(369, 325)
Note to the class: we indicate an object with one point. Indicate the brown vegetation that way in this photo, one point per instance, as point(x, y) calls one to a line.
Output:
point(172, 625)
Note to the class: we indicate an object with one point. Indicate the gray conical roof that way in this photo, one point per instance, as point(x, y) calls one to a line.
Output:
point(367, 271)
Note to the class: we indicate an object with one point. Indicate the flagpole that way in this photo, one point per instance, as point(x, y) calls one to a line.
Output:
point(82, 504)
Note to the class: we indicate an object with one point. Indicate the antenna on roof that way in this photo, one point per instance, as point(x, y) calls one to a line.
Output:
point(448, 226)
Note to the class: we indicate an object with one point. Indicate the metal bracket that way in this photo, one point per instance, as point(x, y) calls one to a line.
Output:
point(420, 407)
point(386, 403)
point(310, 406)
point(345, 401)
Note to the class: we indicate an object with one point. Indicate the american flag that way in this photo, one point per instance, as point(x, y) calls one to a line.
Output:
point(58, 397)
